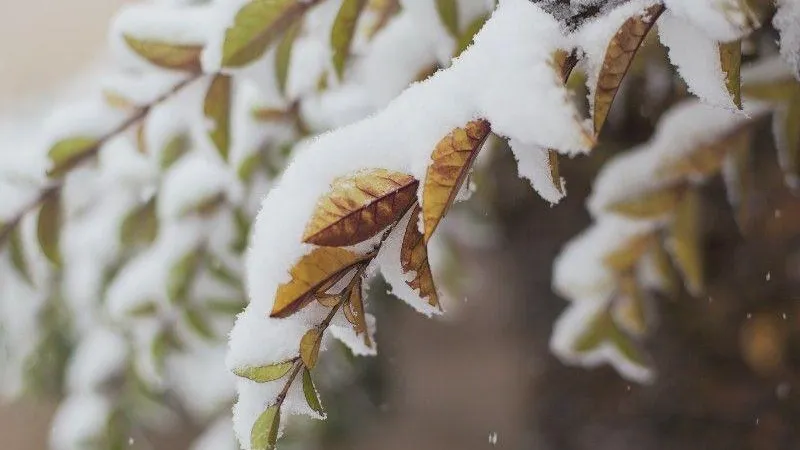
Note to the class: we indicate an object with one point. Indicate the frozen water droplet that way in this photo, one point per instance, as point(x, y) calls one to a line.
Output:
point(757, 420)
point(784, 316)
point(130, 441)
point(493, 438)
point(769, 275)
point(749, 315)
point(782, 390)
point(778, 213)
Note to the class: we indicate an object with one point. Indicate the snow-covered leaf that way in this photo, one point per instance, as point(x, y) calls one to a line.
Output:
point(685, 242)
point(16, 250)
point(167, 55)
point(730, 56)
point(310, 392)
point(625, 258)
point(649, 205)
point(217, 109)
point(181, 275)
point(707, 159)
point(140, 226)
point(68, 153)
point(264, 434)
point(414, 260)
point(448, 14)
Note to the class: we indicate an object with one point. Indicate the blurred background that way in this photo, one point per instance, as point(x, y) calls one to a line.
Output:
point(728, 365)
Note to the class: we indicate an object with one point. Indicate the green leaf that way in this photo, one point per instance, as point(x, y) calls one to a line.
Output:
point(248, 166)
point(198, 324)
point(217, 108)
point(730, 57)
point(264, 374)
point(17, 253)
point(312, 397)
point(204, 206)
point(448, 14)
point(264, 434)
point(465, 39)
point(48, 228)
point(283, 56)
point(309, 347)
point(344, 27)
point(228, 307)
point(140, 226)
point(146, 309)
point(257, 24)
point(182, 274)
point(221, 273)
point(167, 55)
point(175, 148)
point(242, 230)
point(68, 153)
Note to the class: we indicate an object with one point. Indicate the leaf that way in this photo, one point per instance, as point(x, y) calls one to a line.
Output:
point(167, 55)
point(309, 347)
point(220, 272)
point(283, 56)
point(356, 304)
point(786, 127)
point(16, 250)
point(414, 258)
point(181, 275)
point(48, 228)
point(684, 242)
point(140, 226)
point(264, 374)
point(359, 206)
point(198, 324)
point(68, 153)
point(344, 27)
point(264, 434)
point(204, 206)
point(730, 57)
point(146, 309)
point(669, 279)
point(629, 306)
point(312, 397)
point(465, 39)
point(175, 148)
point(603, 330)
point(618, 57)
point(651, 204)
point(451, 161)
point(217, 108)
point(242, 221)
point(707, 159)
point(228, 307)
point(739, 182)
point(257, 24)
point(552, 162)
point(448, 14)
point(116, 100)
point(773, 91)
point(314, 271)
point(625, 258)
point(328, 300)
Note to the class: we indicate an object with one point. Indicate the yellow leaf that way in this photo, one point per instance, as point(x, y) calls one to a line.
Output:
point(48, 228)
point(619, 54)
point(552, 162)
point(626, 257)
point(414, 258)
point(448, 14)
point(320, 268)
point(707, 159)
point(264, 434)
point(344, 27)
point(116, 100)
point(772, 91)
point(328, 300)
point(359, 206)
point(167, 55)
point(140, 225)
point(257, 24)
point(601, 330)
point(217, 108)
point(629, 306)
point(264, 374)
point(309, 347)
point(651, 204)
point(685, 242)
point(451, 161)
point(283, 56)
point(356, 304)
point(730, 57)
point(68, 153)
point(670, 282)
point(310, 392)
point(465, 39)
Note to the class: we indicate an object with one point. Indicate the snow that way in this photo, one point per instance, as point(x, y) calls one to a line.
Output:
point(100, 355)
point(787, 22)
point(720, 20)
point(533, 164)
point(80, 419)
point(218, 436)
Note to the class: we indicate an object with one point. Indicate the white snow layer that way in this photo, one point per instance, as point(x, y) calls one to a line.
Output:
point(787, 22)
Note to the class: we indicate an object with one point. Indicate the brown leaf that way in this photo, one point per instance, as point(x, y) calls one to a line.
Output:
point(730, 57)
point(328, 300)
point(356, 304)
point(707, 159)
point(309, 347)
point(626, 257)
point(320, 268)
point(414, 258)
point(619, 54)
point(684, 242)
point(359, 206)
point(451, 161)
point(651, 204)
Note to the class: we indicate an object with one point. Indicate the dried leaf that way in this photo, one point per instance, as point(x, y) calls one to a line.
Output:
point(257, 24)
point(328, 300)
point(217, 109)
point(264, 374)
point(359, 206)
point(685, 242)
point(310, 392)
point(48, 228)
point(172, 152)
point(707, 159)
point(283, 56)
point(347, 309)
point(68, 153)
point(626, 257)
point(618, 57)
point(264, 434)
point(414, 258)
point(448, 14)
point(309, 347)
point(552, 162)
point(16, 250)
point(629, 306)
point(451, 161)
point(730, 57)
point(465, 39)
point(356, 304)
point(167, 55)
point(140, 226)
point(323, 266)
point(651, 204)
point(182, 274)
point(198, 324)
point(344, 27)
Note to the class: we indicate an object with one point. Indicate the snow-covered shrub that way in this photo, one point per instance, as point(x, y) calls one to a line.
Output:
point(202, 180)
